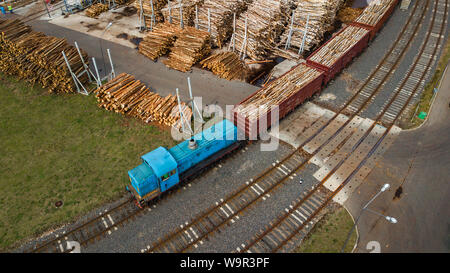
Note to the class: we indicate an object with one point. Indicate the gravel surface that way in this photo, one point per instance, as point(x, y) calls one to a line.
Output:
point(342, 88)
point(189, 201)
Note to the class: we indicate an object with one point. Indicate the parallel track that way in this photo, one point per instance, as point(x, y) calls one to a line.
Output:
point(299, 217)
point(92, 229)
point(227, 211)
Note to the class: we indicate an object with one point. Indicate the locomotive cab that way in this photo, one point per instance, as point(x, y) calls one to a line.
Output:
point(155, 175)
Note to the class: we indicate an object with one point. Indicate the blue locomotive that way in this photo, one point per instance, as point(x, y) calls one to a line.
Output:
point(162, 168)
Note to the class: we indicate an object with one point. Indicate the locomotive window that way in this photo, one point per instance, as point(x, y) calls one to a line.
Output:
point(166, 176)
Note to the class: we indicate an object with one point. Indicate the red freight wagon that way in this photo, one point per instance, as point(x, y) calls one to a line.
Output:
point(252, 127)
point(340, 63)
point(374, 29)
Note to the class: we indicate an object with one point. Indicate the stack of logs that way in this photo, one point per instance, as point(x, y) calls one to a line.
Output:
point(96, 9)
point(338, 46)
point(349, 14)
point(126, 95)
point(172, 10)
point(37, 58)
point(322, 14)
point(277, 91)
point(226, 65)
point(191, 46)
point(374, 11)
point(159, 41)
point(158, 5)
point(265, 23)
point(221, 17)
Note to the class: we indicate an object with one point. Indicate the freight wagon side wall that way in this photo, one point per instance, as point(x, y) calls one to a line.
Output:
point(253, 128)
point(376, 28)
point(341, 62)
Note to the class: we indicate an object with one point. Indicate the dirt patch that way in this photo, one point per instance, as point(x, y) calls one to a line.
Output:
point(122, 36)
point(398, 193)
point(92, 27)
point(135, 40)
point(128, 11)
point(352, 84)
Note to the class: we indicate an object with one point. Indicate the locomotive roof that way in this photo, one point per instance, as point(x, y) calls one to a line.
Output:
point(160, 160)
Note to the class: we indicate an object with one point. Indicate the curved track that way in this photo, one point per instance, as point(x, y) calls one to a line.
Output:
point(228, 210)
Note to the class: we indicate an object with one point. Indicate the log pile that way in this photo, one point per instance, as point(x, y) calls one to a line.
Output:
point(348, 14)
point(126, 95)
point(191, 46)
point(158, 5)
point(339, 45)
point(188, 11)
point(265, 23)
point(276, 92)
point(159, 41)
point(221, 18)
point(96, 9)
point(373, 12)
point(37, 58)
point(322, 14)
point(226, 65)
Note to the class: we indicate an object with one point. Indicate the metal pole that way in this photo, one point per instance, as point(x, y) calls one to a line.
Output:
point(288, 42)
point(99, 81)
point(181, 15)
point(356, 222)
point(234, 31)
point(86, 68)
point(70, 70)
point(304, 36)
point(179, 109)
point(170, 12)
point(196, 17)
point(46, 8)
point(113, 72)
point(209, 21)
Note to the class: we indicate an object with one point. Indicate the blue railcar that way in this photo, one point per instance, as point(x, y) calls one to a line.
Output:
point(162, 168)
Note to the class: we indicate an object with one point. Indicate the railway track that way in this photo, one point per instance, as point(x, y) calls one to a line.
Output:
point(298, 218)
point(317, 137)
point(103, 224)
point(92, 229)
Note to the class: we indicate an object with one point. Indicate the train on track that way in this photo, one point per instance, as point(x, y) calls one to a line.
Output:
point(163, 169)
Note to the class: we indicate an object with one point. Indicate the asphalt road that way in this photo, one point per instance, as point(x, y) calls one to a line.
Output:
point(419, 163)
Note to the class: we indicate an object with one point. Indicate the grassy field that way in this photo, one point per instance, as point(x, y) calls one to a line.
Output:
point(424, 103)
point(329, 234)
point(61, 147)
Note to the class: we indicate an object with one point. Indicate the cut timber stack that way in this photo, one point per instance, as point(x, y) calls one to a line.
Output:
point(226, 65)
point(36, 57)
point(221, 17)
point(374, 12)
point(159, 41)
point(348, 14)
point(338, 46)
point(96, 9)
point(322, 14)
point(265, 23)
point(191, 46)
point(188, 11)
point(158, 5)
point(126, 95)
point(276, 92)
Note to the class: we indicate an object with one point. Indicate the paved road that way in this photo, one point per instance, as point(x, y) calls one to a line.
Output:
point(155, 74)
point(419, 162)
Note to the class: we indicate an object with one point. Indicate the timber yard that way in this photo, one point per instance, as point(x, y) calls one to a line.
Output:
point(224, 126)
